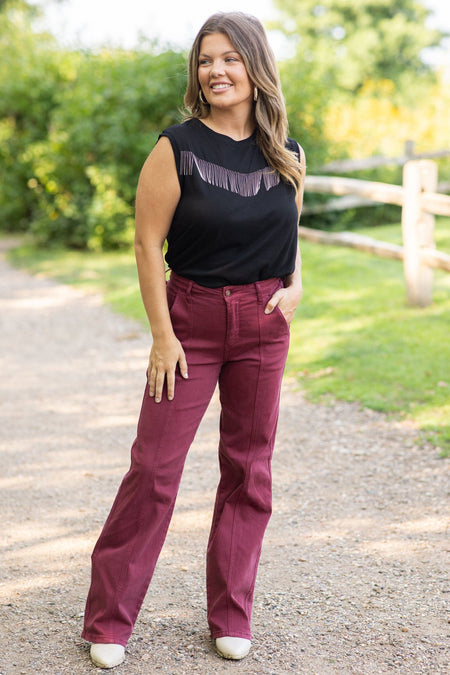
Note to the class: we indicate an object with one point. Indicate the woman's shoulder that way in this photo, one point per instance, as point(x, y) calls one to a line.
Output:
point(294, 146)
point(180, 132)
point(291, 144)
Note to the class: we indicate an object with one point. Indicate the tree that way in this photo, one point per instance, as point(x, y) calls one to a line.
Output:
point(32, 71)
point(106, 121)
point(349, 42)
point(75, 128)
point(7, 6)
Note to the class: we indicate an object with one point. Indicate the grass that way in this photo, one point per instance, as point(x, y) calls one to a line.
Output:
point(353, 338)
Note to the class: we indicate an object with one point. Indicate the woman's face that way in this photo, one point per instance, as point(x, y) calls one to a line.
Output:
point(222, 74)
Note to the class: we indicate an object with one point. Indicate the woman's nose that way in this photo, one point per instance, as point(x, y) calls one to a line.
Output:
point(217, 68)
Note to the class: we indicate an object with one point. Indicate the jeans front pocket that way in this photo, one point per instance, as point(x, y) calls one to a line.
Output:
point(276, 317)
point(278, 311)
point(180, 313)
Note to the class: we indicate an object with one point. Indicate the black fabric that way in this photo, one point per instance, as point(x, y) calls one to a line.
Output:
point(236, 221)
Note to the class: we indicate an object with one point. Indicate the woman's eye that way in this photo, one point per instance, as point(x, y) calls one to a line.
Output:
point(228, 59)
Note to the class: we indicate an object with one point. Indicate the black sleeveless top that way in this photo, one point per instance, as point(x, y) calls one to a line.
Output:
point(236, 221)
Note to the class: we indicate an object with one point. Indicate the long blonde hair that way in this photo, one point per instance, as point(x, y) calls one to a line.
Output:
point(248, 36)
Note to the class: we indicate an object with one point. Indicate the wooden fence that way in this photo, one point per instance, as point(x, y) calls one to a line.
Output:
point(409, 153)
point(347, 165)
point(420, 202)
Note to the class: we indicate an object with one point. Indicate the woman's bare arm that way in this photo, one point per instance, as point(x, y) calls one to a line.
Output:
point(157, 197)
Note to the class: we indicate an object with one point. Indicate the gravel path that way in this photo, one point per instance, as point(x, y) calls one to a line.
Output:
point(353, 576)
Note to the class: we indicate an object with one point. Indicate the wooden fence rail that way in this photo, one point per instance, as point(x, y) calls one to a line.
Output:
point(420, 203)
point(346, 165)
point(409, 153)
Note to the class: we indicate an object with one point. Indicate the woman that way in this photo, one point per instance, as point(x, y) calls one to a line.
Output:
point(225, 189)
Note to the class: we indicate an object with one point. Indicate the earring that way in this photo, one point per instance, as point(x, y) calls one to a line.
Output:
point(202, 98)
point(255, 94)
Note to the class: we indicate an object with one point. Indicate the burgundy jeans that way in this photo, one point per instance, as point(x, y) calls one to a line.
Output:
point(228, 340)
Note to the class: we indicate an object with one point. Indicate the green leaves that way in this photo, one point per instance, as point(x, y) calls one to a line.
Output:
point(104, 125)
point(76, 128)
point(350, 42)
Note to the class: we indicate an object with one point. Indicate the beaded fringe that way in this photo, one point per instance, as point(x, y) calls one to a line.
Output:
point(243, 184)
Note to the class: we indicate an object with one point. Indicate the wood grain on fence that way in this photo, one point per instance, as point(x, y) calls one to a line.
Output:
point(419, 201)
point(379, 192)
point(347, 165)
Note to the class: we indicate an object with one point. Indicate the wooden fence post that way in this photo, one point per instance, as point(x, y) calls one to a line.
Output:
point(409, 149)
point(418, 230)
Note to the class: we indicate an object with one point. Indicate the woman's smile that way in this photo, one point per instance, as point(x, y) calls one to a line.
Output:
point(220, 86)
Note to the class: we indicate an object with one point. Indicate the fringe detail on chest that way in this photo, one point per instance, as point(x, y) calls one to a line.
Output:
point(243, 184)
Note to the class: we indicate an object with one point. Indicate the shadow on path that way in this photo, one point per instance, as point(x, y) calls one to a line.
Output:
point(353, 572)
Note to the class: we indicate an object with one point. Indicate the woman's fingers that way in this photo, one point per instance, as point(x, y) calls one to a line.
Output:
point(286, 301)
point(161, 372)
point(170, 384)
point(182, 364)
point(151, 377)
point(273, 302)
point(159, 385)
point(156, 380)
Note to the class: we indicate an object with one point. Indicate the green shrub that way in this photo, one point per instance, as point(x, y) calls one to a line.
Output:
point(106, 121)
point(32, 71)
point(75, 129)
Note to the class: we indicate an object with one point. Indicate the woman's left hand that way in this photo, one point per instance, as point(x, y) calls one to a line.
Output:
point(286, 299)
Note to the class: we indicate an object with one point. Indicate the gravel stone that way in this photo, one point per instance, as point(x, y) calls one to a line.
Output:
point(354, 571)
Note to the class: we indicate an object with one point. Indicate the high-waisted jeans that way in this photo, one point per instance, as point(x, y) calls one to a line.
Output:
point(229, 340)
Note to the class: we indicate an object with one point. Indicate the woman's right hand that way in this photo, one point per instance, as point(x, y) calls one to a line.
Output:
point(166, 353)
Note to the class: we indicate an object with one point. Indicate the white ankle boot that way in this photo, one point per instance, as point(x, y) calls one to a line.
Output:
point(107, 656)
point(233, 647)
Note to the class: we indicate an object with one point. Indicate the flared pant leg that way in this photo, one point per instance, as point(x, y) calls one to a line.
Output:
point(125, 556)
point(250, 383)
point(127, 550)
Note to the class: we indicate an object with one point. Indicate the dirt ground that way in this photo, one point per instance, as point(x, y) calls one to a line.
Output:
point(354, 571)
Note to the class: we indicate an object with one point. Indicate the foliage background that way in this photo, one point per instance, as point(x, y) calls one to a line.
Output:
point(75, 129)
point(76, 126)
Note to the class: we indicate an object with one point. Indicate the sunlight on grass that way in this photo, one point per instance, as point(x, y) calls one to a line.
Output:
point(353, 337)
